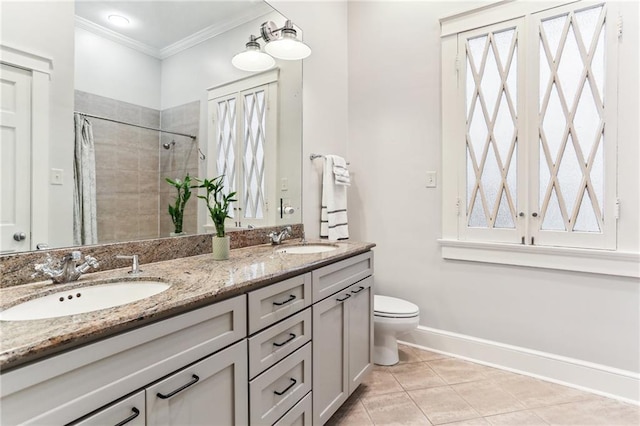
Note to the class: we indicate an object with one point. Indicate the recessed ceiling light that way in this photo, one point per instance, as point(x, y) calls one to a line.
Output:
point(118, 20)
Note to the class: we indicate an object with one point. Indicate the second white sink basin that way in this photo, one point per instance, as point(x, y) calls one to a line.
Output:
point(83, 299)
point(307, 249)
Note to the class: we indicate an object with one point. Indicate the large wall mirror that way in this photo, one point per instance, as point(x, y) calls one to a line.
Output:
point(156, 72)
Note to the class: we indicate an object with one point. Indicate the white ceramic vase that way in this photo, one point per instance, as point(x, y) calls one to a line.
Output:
point(220, 247)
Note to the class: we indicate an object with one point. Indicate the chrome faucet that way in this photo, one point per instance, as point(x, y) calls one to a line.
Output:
point(278, 237)
point(66, 269)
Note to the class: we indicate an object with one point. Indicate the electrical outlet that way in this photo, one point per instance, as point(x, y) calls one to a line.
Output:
point(431, 179)
point(57, 177)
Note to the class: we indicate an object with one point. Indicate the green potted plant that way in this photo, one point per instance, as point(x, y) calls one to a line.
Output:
point(176, 211)
point(218, 205)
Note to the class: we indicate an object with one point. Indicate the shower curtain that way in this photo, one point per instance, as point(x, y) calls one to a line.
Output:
point(85, 228)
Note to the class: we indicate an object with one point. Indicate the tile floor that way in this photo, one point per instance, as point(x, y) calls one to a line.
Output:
point(426, 388)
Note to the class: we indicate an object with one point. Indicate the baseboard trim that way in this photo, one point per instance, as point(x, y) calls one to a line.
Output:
point(600, 379)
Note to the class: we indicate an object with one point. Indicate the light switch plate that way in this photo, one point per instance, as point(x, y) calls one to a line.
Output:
point(57, 177)
point(432, 179)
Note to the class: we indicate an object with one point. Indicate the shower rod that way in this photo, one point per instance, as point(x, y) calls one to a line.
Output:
point(134, 125)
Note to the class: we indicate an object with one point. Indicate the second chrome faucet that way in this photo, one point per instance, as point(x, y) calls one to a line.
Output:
point(278, 237)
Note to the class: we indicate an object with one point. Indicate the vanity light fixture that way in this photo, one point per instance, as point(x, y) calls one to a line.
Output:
point(253, 59)
point(118, 20)
point(285, 45)
point(281, 43)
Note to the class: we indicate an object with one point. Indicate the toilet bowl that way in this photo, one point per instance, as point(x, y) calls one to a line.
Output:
point(391, 316)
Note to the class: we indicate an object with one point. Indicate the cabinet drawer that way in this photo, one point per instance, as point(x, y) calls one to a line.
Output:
point(278, 389)
point(129, 411)
point(340, 275)
point(299, 415)
point(276, 342)
point(270, 304)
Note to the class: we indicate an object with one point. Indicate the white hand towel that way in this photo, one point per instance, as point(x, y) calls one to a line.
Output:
point(333, 216)
point(340, 170)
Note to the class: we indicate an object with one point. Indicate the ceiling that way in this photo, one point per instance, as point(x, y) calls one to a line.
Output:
point(161, 24)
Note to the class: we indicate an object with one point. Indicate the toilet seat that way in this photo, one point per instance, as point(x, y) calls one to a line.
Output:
point(391, 307)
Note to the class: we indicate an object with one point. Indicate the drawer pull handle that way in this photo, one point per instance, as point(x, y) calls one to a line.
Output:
point(290, 299)
point(180, 389)
point(358, 290)
point(291, 337)
point(135, 414)
point(346, 296)
point(293, 383)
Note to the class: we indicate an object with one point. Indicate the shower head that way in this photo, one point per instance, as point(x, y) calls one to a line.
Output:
point(168, 145)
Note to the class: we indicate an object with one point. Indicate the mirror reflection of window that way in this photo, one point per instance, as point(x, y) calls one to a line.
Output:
point(245, 121)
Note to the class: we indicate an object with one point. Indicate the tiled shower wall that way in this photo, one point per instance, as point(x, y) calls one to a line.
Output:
point(129, 181)
point(181, 158)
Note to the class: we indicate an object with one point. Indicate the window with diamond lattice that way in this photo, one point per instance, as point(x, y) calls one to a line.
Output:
point(244, 128)
point(537, 101)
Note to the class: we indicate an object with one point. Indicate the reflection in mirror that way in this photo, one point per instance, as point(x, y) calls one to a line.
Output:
point(153, 74)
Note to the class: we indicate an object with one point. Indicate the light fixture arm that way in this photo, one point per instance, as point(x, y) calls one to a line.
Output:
point(269, 31)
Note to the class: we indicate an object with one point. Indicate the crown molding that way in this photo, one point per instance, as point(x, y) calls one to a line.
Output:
point(116, 37)
point(210, 32)
point(177, 47)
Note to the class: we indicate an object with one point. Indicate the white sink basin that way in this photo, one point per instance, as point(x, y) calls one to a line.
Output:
point(83, 299)
point(307, 249)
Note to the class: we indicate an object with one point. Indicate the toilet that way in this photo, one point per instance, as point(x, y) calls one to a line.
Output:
point(391, 316)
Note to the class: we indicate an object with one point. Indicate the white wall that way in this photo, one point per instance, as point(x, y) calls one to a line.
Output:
point(112, 70)
point(324, 94)
point(46, 29)
point(394, 138)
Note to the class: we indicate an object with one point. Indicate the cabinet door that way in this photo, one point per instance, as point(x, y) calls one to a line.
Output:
point(330, 354)
point(211, 391)
point(130, 411)
point(360, 331)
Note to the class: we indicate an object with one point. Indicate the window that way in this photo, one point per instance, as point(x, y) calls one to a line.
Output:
point(243, 129)
point(529, 127)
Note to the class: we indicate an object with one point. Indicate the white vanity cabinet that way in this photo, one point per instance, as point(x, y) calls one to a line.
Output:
point(342, 333)
point(64, 388)
point(288, 353)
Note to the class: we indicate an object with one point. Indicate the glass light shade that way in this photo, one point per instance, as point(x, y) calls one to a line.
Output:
point(288, 48)
point(253, 59)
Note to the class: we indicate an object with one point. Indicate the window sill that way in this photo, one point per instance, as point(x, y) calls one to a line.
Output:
point(623, 264)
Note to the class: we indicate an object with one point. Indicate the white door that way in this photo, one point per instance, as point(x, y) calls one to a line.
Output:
point(15, 159)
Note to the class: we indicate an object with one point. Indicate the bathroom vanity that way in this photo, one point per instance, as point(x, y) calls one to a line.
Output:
point(264, 338)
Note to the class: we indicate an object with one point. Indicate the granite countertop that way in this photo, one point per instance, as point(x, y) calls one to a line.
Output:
point(195, 281)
